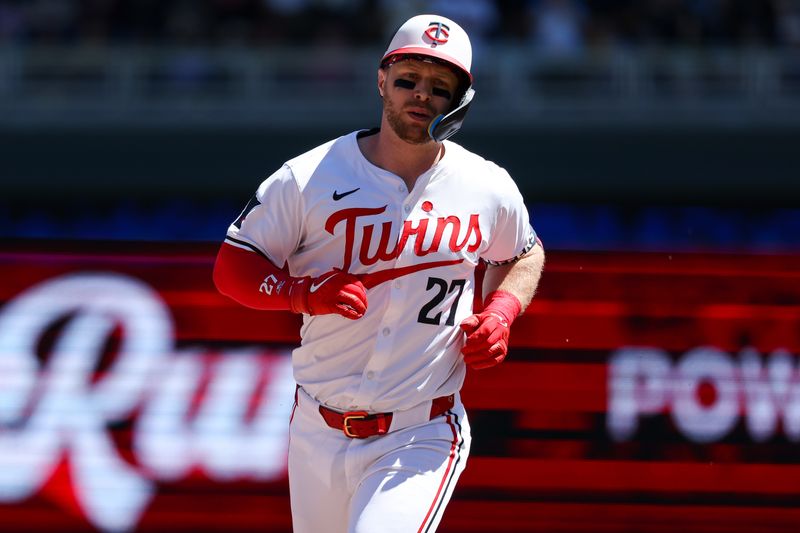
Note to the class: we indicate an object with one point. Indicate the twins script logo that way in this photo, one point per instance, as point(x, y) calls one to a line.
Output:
point(59, 413)
point(388, 249)
point(424, 242)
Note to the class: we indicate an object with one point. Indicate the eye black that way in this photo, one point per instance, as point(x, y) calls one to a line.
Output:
point(404, 84)
point(444, 93)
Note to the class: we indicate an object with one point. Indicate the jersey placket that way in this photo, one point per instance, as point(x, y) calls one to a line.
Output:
point(404, 209)
point(370, 386)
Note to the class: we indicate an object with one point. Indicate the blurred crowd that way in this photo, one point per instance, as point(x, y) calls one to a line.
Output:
point(553, 25)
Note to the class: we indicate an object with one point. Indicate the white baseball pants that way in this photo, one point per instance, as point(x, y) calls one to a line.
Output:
point(399, 482)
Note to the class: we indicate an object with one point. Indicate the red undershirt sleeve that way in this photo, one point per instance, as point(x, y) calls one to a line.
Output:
point(251, 279)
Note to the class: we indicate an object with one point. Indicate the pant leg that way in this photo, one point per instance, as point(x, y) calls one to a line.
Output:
point(318, 487)
point(408, 485)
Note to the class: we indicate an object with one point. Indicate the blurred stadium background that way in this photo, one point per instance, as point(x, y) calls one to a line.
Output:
point(112, 112)
point(653, 386)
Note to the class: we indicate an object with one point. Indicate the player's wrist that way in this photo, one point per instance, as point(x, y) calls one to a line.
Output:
point(503, 303)
point(298, 295)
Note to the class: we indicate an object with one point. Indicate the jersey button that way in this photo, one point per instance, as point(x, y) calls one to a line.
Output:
point(386, 332)
point(370, 374)
point(407, 208)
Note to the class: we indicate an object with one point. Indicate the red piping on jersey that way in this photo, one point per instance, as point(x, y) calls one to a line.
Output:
point(450, 464)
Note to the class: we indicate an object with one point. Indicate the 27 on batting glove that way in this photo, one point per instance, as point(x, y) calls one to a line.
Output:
point(335, 291)
point(488, 331)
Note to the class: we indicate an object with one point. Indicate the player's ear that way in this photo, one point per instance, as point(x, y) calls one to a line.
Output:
point(381, 81)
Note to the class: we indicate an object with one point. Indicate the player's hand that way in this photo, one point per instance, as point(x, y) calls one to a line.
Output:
point(488, 331)
point(487, 339)
point(333, 292)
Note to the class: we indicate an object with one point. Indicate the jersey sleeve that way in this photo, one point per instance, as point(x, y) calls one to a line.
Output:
point(512, 233)
point(271, 222)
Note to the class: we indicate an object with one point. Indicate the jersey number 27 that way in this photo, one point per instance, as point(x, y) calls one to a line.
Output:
point(442, 291)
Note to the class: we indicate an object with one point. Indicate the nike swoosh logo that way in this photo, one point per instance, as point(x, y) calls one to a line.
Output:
point(337, 196)
point(317, 283)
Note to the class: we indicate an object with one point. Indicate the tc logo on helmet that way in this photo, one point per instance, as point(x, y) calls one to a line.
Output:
point(438, 33)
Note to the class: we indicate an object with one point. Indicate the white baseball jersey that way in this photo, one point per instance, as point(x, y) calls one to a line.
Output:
point(332, 208)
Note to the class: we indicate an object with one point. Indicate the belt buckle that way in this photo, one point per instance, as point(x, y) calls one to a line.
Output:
point(352, 415)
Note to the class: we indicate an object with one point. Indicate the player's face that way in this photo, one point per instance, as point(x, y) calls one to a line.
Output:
point(414, 92)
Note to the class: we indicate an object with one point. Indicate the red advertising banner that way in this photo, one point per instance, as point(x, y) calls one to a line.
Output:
point(643, 392)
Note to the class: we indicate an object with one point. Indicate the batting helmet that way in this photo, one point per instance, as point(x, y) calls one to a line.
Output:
point(441, 40)
point(433, 36)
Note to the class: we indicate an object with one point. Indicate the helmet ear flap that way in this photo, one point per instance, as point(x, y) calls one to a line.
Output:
point(445, 126)
point(464, 85)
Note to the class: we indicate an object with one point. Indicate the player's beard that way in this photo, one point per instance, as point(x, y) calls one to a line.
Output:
point(411, 133)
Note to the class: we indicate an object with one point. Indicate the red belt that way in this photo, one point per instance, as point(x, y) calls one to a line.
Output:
point(361, 424)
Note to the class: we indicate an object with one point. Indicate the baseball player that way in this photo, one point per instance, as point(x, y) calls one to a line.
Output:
point(375, 238)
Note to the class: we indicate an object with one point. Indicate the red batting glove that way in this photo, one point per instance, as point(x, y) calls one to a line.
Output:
point(488, 331)
point(333, 292)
